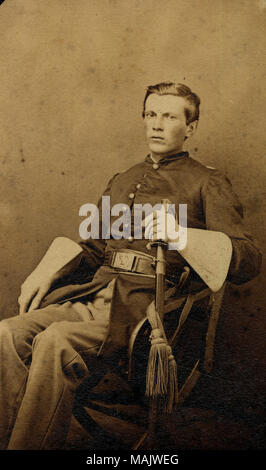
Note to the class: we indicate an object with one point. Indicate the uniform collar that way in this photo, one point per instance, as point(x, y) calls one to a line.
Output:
point(168, 158)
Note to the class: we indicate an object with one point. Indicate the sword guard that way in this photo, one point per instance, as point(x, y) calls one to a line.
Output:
point(161, 243)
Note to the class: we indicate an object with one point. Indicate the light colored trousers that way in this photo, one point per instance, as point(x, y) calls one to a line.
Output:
point(44, 356)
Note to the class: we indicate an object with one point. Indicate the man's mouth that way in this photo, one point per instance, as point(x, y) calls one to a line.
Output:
point(156, 137)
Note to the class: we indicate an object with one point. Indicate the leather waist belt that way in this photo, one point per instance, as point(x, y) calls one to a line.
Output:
point(130, 261)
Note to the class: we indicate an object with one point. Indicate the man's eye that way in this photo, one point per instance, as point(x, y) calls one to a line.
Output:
point(149, 115)
point(171, 116)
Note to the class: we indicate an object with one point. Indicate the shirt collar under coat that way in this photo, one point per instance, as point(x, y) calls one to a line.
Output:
point(168, 158)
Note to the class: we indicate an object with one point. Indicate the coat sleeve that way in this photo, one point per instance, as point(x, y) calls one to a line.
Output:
point(224, 213)
point(93, 249)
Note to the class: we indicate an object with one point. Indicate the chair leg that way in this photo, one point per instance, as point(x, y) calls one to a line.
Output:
point(216, 301)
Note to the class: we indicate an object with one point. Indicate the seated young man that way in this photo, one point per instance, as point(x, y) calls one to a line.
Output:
point(49, 349)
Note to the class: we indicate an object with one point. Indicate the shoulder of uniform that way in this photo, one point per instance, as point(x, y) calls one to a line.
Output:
point(200, 166)
point(122, 171)
point(131, 169)
point(114, 176)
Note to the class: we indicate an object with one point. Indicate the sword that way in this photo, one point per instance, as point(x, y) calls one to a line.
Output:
point(160, 268)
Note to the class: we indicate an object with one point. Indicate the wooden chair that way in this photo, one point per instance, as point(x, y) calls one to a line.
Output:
point(203, 308)
point(202, 364)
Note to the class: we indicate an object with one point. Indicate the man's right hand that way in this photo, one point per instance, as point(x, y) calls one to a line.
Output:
point(33, 290)
point(61, 258)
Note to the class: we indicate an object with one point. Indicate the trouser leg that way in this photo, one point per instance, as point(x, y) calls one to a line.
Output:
point(13, 376)
point(16, 338)
point(59, 364)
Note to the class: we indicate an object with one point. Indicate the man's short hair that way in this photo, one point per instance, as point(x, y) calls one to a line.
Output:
point(177, 89)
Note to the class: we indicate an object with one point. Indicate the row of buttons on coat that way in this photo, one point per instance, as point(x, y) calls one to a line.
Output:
point(155, 166)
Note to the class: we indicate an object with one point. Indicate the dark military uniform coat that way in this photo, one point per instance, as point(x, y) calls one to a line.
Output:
point(211, 205)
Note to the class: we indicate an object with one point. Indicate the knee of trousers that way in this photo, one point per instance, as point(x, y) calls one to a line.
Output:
point(14, 336)
point(51, 346)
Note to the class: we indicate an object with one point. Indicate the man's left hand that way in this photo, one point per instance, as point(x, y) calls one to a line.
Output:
point(161, 225)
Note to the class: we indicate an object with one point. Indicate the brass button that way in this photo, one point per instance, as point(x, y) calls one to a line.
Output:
point(138, 186)
point(130, 239)
point(131, 196)
point(155, 166)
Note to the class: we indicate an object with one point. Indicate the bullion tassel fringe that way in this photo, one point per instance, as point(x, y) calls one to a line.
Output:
point(172, 398)
point(157, 371)
point(161, 377)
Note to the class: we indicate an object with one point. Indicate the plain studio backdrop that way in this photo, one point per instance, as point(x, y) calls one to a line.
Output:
point(73, 77)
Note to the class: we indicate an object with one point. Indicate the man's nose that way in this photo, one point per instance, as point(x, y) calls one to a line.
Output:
point(158, 123)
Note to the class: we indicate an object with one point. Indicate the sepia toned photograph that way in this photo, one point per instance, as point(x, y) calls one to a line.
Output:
point(132, 241)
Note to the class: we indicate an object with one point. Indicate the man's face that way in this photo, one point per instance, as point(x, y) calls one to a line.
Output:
point(165, 124)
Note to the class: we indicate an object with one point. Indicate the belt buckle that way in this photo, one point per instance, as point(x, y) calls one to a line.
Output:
point(123, 261)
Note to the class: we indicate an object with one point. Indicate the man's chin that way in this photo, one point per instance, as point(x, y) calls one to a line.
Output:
point(162, 150)
point(158, 147)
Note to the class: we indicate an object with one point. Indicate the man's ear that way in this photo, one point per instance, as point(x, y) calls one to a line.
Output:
point(191, 128)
